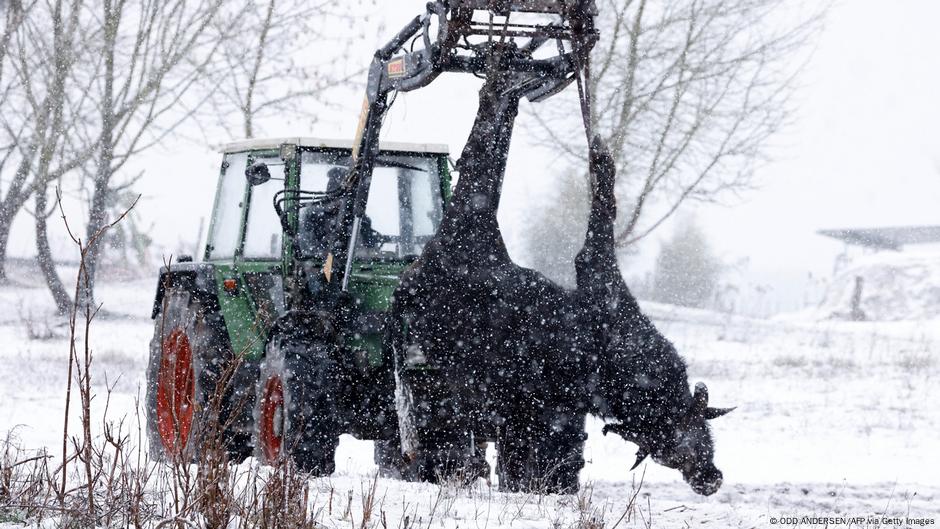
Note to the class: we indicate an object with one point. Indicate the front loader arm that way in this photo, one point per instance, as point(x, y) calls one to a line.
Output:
point(452, 51)
point(387, 73)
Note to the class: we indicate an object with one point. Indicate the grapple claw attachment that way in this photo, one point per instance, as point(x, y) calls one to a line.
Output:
point(503, 7)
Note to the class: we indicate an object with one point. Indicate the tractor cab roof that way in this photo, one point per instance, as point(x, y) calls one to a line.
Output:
point(275, 143)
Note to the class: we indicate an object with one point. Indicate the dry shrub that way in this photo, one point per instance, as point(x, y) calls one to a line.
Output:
point(24, 482)
point(790, 361)
point(277, 498)
point(920, 361)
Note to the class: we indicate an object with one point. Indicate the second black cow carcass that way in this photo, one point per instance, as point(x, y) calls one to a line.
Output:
point(485, 349)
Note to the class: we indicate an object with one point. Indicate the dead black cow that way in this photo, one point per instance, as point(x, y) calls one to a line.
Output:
point(485, 349)
point(641, 380)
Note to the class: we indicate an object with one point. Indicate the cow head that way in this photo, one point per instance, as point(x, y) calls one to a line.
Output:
point(682, 442)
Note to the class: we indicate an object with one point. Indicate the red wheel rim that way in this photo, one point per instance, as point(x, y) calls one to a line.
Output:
point(272, 418)
point(176, 392)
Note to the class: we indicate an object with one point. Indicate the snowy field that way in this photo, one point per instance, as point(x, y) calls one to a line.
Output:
point(834, 419)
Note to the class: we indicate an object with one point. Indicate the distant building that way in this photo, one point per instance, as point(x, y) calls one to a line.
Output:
point(886, 238)
point(881, 285)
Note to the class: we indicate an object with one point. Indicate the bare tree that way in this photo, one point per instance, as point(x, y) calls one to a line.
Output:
point(150, 57)
point(686, 93)
point(44, 58)
point(34, 101)
point(15, 123)
point(96, 83)
point(101, 81)
point(283, 57)
point(159, 57)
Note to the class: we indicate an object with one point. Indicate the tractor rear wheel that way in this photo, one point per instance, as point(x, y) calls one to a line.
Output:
point(295, 411)
point(188, 353)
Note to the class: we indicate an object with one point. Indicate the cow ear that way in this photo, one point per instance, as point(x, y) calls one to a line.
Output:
point(700, 397)
point(714, 413)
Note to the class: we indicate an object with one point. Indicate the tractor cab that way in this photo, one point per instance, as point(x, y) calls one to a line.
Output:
point(409, 186)
point(404, 207)
point(252, 247)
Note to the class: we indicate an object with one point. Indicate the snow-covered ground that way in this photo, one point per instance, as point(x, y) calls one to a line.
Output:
point(833, 419)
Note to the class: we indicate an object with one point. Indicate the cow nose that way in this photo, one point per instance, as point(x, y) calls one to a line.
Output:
point(706, 483)
point(709, 487)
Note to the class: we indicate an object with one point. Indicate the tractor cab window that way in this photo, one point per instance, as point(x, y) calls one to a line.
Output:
point(263, 228)
point(226, 226)
point(403, 210)
point(319, 172)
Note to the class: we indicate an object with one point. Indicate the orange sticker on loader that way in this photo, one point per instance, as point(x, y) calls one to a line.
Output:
point(396, 68)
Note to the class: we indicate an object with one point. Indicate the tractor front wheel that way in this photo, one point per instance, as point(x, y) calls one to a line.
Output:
point(188, 353)
point(295, 411)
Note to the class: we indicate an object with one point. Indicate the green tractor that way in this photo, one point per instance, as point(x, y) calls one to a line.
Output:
point(208, 367)
point(275, 340)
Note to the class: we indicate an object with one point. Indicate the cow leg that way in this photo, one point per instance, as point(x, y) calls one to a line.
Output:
point(596, 263)
point(436, 430)
point(440, 314)
point(541, 451)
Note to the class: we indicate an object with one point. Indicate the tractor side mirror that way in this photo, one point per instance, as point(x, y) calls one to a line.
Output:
point(257, 173)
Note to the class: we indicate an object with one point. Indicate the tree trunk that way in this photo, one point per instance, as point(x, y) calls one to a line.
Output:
point(249, 126)
point(98, 213)
point(17, 193)
point(249, 108)
point(5, 226)
point(96, 220)
point(51, 110)
point(45, 260)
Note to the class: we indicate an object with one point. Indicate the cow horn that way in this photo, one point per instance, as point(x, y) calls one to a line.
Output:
point(714, 413)
point(640, 456)
point(700, 397)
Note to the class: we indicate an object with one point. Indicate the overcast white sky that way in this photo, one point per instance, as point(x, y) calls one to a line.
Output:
point(863, 150)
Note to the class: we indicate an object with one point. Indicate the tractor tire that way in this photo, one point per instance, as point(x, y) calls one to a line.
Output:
point(188, 353)
point(295, 412)
point(543, 457)
point(434, 443)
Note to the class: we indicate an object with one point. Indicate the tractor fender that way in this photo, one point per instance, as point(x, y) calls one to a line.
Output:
point(196, 278)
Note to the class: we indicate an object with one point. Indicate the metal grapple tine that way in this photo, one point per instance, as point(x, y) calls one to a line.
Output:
point(503, 7)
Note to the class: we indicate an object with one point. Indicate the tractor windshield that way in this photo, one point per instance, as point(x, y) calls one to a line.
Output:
point(403, 210)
